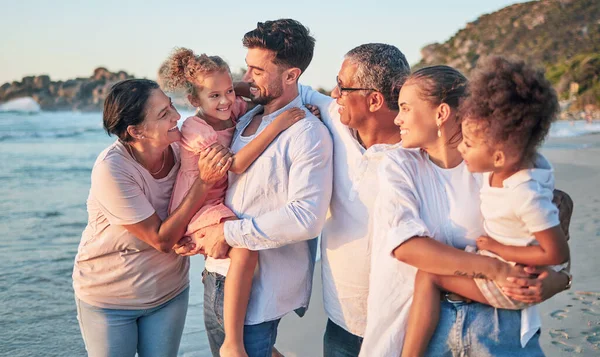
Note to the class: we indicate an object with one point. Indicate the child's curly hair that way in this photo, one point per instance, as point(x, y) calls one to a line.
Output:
point(180, 71)
point(513, 103)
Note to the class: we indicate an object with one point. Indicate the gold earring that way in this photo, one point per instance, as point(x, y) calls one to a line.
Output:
point(439, 133)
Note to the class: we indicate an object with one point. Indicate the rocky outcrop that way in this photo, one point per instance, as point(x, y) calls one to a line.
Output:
point(563, 36)
point(82, 94)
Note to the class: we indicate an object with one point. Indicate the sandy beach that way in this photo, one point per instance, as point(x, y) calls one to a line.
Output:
point(571, 320)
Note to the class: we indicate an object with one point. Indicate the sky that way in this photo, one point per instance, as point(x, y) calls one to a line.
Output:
point(70, 38)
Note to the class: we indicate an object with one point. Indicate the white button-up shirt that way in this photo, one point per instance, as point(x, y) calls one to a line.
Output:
point(282, 202)
point(346, 238)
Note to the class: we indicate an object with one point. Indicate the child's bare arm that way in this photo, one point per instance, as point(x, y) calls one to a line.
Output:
point(552, 249)
point(247, 155)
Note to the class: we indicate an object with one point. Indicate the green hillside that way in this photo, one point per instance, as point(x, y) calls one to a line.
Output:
point(563, 36)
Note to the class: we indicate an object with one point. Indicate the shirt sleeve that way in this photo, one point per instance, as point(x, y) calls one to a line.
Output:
point(535, 207)
point(309, 192)
point(196, 135)
point(121, 198)
point(397, 207)
point(326, 104)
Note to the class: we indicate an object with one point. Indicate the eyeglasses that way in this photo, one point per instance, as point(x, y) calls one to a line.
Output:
point(348, 89)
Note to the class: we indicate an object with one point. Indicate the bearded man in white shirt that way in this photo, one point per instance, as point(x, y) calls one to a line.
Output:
point(360, 117)
point(281, 200)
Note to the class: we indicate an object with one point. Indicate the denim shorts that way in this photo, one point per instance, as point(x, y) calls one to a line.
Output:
point(474, 329)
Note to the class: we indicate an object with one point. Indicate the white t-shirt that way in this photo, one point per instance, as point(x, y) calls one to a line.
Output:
point(113, 268)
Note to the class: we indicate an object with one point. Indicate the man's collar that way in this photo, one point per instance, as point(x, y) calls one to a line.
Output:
point(295, 103)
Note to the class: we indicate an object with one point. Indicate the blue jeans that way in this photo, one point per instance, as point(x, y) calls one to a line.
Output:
point(480, 330)
point(152, 332)
point(338, 342)
point(258, 339)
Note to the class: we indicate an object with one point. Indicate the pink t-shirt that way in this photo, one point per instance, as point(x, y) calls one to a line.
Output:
point(113, 268)
point(196, 135)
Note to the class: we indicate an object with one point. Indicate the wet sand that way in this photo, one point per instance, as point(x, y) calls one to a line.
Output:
point(571, 320)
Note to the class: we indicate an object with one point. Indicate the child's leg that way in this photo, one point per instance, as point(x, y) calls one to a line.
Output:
point(237, 293)
point(425, 310)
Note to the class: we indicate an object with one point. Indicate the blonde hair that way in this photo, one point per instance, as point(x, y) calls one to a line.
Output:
point(180, 71)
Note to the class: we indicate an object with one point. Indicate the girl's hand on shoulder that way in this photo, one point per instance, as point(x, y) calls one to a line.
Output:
point(314, 110)
point(288, 118)
point(213, 163)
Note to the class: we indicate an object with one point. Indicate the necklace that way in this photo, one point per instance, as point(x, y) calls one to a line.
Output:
point(164, 157)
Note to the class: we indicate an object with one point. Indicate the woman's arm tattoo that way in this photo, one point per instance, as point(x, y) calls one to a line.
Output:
point(473, 275)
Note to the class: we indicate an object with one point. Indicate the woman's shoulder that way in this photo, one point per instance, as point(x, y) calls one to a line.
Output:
point(404, 158)
point(115, 154)
point(113, 161)
point(402, 162)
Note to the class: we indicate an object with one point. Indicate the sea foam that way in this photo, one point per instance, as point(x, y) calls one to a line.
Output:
point(21, 105)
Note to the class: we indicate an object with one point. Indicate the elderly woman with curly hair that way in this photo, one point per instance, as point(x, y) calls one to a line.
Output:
point(428, 212)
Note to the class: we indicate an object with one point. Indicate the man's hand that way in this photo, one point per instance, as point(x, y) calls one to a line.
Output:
point(215, 245)
point(544, 284)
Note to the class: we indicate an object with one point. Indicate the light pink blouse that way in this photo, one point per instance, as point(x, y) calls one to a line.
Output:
point(196, 136)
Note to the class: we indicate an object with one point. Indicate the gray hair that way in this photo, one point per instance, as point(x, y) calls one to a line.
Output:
point(381, 67)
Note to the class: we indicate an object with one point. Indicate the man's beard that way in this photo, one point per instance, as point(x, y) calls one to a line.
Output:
point(275, 91)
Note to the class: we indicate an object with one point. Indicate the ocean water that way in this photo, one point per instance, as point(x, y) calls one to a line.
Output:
point(44, 182)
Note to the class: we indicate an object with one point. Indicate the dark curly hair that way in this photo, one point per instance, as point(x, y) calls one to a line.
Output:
point(513, 103)
point(289, 39)
point(440, 84)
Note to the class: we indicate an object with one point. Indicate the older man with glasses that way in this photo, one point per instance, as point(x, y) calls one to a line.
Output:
point(361, 121)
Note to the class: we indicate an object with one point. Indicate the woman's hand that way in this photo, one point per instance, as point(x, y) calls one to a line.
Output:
point(542, 284)
point(214, 162)
point(184, 246)
point(288, 118)
point(188, 246)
